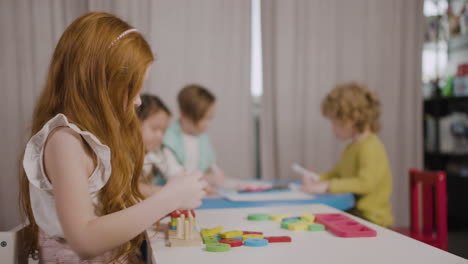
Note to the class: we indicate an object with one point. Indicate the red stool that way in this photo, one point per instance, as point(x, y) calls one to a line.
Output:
point(427, 225)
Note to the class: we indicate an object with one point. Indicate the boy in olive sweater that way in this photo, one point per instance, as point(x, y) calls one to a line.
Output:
point(363, 168)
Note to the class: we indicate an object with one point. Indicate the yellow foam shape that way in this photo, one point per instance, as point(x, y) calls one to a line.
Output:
point(308, 217)
point(230, 234)
point(298, 226)
point(212, 231)
point(249, 236)
point(279, 217)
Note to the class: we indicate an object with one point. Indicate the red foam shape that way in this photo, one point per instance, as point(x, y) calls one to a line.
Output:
point(231, 241)
point(178, 213)
point(278, 239)
point(252, 233)
point(343, 226)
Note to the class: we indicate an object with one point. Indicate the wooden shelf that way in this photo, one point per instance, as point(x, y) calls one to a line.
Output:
point(451, 99)
point(439, 161)
point(458, 43)
point(446, 155)
point(442, 106)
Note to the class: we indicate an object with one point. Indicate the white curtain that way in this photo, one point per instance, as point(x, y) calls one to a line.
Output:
point(309, 46)
point(29, 32)
point(205, 41)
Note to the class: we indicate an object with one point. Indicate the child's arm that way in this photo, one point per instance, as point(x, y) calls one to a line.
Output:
point(312, 182)
point(312, 176)
point(368, 174)
point(315, 186)
point(67, 166)
point(173, 166)
point(330, 174)
point(148, 189)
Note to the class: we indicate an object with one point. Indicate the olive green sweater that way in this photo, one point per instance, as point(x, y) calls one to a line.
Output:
point(364, 170)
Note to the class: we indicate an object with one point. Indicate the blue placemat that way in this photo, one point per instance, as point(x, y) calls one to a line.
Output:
point(339, 201)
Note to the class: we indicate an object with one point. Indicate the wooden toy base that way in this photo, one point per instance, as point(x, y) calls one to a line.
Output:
point(177, 242)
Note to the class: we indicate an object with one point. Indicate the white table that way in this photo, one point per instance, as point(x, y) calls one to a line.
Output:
point(311, 247)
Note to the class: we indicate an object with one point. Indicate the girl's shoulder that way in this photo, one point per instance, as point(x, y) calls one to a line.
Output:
point(60, 136)
point(63, 138)
point(59, 139)
point(66, 145)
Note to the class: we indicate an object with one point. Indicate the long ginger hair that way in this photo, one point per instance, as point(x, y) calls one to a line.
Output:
point(93, 79)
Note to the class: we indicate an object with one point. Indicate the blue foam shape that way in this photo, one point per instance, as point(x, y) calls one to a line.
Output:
point(236, 238)
point(174, 227)
point(291, 218)
point(255, 242)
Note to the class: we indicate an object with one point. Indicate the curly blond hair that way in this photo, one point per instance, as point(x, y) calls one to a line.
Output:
point(353, 102)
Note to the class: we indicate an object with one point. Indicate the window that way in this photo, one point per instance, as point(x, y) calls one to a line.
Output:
point(256, 78)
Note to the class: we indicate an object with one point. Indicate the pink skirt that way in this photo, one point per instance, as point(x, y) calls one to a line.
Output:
point(56, 250)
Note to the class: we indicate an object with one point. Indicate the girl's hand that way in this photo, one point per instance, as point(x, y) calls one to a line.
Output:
point(215, 178)
point(210, 190)
point(187, 189)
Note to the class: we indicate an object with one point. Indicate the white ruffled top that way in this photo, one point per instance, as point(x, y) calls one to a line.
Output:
point(40, 188)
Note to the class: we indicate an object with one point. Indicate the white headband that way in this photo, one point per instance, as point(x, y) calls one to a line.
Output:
point(122, 35)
